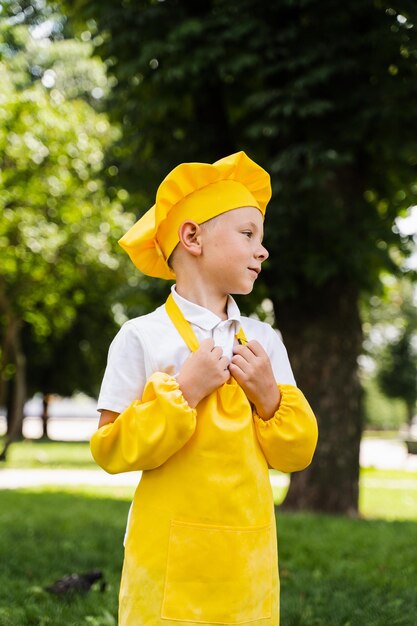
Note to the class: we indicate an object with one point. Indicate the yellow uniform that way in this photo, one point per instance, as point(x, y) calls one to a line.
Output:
point(201, 542)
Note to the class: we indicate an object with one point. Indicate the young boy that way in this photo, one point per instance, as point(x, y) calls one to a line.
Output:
point(203, 401)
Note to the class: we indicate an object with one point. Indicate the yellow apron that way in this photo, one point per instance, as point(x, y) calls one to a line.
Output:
point(201, 543)
point(201, 540)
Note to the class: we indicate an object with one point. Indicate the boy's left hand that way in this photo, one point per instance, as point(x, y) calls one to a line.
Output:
point(252, 369)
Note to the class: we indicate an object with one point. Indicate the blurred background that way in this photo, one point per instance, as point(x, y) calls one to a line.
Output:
point(98, 102)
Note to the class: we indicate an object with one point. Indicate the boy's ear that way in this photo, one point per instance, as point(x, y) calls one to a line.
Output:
point(189, 234)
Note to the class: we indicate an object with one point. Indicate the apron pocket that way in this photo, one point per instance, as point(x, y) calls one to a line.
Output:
point(218, 574)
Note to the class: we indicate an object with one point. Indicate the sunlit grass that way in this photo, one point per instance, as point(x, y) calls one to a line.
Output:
point(122, 492)
point(381, 434)
point(388, 503)
point(39, 453)
point(384, 494)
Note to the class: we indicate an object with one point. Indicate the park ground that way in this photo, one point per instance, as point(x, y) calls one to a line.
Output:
point(70, 517)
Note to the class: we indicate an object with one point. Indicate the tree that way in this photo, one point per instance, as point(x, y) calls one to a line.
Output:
point(73, 360)
point(391, 323)
point(397, 375)
point(55, 212)
point(320, 93)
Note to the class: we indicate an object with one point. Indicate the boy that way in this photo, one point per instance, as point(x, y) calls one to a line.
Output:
point(203, 401)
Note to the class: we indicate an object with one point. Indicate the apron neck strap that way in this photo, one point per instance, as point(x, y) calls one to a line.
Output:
point(184, 327)
point(181, 324)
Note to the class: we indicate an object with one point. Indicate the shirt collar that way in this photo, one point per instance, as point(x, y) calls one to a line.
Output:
point(202, 317)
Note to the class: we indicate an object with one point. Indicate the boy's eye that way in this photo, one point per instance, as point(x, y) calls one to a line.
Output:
point(248, 233)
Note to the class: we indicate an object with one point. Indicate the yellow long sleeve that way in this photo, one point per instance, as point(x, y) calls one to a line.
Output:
point(289, 438)
point(148, 432)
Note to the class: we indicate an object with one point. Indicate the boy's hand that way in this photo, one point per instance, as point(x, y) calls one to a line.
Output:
point(204, 371)
point(251, 367)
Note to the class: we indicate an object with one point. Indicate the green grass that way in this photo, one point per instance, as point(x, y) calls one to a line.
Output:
point(381, 434)
point(388, 494)
point(45, 536)
point(119, 492)
point(40, 453)
point(334, 571)
point(388, 474)
point(388, 503)
point(385, 494)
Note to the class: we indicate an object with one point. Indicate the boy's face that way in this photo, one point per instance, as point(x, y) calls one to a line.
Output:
point(232, 251)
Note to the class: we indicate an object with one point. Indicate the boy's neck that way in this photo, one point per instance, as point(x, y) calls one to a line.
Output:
point(199, 294)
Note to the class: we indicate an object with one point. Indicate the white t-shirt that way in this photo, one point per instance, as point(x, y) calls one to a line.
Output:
point(151, 343)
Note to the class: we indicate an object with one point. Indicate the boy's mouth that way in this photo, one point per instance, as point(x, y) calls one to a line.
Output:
point(256, 270)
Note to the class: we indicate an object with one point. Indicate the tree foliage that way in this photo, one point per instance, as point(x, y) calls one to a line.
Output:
point(392, 341)
point(397, 374)
point(320, 93)
point(304, 86)
point(55, 213)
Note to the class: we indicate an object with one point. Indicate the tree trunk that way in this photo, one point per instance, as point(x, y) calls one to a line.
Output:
point(9, 399)
point(323, 336)
point(45, 415)
point(16, 389)
point(410, 415)
point(6, 358)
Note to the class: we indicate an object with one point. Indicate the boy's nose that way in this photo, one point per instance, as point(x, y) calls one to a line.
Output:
point(263, 254)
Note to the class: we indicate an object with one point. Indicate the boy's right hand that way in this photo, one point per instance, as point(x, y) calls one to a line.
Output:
point(204, 371)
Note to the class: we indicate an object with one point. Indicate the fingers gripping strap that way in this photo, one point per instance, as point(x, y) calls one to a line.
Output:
point(184, 327)
point(240, 336)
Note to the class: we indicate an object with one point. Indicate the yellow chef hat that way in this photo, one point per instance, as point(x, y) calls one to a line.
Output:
point(196, 191)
